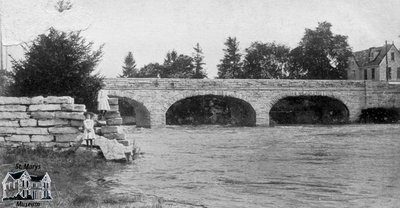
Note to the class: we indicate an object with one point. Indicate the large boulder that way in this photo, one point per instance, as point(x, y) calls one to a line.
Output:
point(113, 150)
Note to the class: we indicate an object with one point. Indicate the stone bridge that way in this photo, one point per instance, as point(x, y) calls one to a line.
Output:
point(152, 97)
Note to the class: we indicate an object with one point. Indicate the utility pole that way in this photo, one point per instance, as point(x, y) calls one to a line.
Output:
point(1, 45)
point(387, 67)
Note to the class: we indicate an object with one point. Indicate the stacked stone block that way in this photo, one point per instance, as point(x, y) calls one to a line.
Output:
point(47, 121)
point(113, 117)
point(113, 130)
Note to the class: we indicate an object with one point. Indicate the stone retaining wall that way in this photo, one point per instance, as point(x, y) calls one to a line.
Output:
point(52, 122)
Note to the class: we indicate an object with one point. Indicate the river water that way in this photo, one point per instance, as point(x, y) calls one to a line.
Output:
point(294, 166)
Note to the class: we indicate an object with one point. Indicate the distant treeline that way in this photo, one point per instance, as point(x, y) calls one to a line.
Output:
point(319, 55)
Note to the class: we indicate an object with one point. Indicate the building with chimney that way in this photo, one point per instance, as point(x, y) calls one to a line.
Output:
point(375, 63)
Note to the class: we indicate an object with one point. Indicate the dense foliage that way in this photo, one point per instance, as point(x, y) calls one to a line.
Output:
point(211, 109)
point(150, 70)
point(175, 66)
point(309, 110)
point(59, 64)
point(5, 82)
point(319, 55)
point(265, 61)
point(379, 115)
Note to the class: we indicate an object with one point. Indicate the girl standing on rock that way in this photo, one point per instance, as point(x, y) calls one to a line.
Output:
point(88, 133)
point(103, 105)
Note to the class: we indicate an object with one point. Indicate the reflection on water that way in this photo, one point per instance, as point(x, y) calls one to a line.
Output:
point(208, 166)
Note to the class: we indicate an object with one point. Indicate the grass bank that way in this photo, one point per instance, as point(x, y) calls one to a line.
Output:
point(77, 177)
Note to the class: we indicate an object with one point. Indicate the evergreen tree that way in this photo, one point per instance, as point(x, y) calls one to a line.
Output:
point(198, 63)
point(129, 70)
point(59, 64)
point(231, 65)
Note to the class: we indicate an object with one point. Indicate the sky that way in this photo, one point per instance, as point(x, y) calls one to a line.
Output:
point(151, 28)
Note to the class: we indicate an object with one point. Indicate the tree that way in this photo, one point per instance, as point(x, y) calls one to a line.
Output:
point(175, 66)
point(320, 54)
point(5, 82)
point(198, 62)
point(178, 66)
point(151, 70)
point(265, 61)
point(59, 64)
point(62, 6)
point(129, 70)
point(296, 68)
point(231, 65)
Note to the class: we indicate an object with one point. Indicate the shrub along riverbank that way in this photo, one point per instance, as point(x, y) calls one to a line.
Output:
point(77, 177)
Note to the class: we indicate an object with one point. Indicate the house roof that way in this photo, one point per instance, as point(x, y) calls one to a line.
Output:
point(37, 178)
point(363, 57)
point(17, 175)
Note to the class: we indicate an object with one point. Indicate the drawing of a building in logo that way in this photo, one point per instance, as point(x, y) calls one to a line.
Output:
point(22, 186)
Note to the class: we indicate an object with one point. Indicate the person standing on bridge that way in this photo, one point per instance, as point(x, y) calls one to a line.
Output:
point(103, 105)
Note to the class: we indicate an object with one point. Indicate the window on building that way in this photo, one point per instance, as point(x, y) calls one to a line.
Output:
point(398, 72)
point(373, 74)
point(353, 74)
point(365, 74)
point(392, 56)
point(389, 73)
point(371, 56)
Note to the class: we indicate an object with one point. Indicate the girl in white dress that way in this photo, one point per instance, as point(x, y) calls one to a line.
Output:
point(88, 133)
point(103, 105)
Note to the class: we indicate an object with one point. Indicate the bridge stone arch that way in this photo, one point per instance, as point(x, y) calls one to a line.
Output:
point(231, 94)
point(348, 101)
point(142, 113)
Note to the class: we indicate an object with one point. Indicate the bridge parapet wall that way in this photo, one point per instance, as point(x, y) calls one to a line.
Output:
point(231, 84)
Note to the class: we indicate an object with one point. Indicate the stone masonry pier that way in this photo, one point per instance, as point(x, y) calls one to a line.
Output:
point(152, 97)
